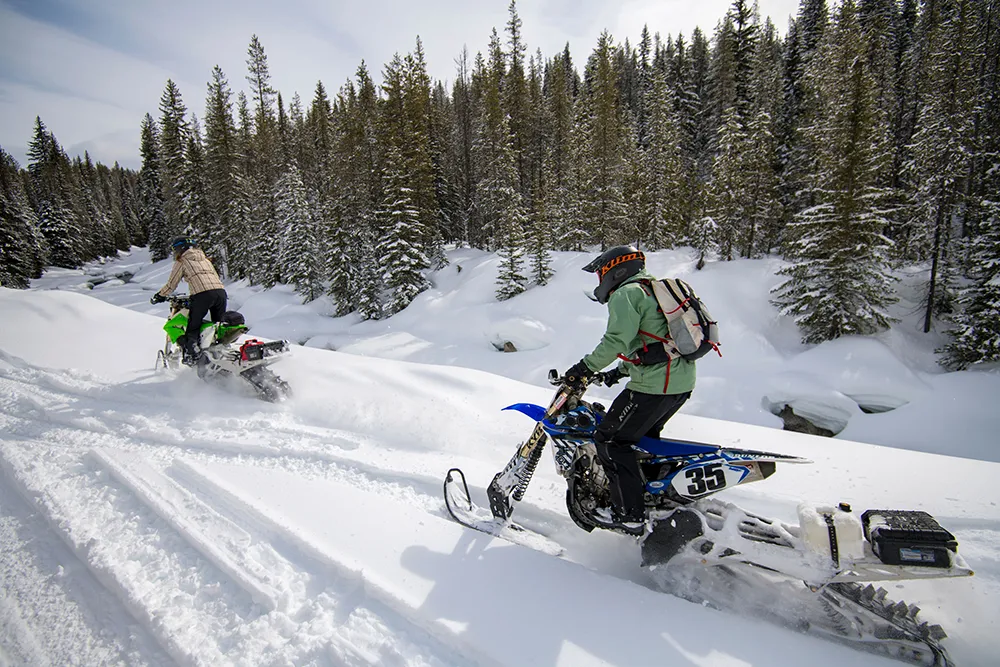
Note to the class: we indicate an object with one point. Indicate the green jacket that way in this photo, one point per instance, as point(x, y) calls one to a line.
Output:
point(630, 309)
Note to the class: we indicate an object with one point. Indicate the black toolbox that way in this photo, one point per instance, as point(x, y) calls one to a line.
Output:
point(908, 537)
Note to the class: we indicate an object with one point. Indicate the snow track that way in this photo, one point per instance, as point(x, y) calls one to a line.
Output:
point(212, 580)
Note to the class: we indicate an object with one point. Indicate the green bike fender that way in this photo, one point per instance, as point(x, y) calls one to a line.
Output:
point(176, 326)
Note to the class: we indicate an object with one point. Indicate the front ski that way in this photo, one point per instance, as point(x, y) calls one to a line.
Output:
point(464, 511)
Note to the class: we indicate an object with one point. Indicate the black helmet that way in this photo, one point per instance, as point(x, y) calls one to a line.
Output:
point(182, 243)
point(615, 266)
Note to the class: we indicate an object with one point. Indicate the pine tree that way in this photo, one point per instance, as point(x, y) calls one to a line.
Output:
point(462, 141)
point(402, 238)
point(764, 212)
point(728, 193)
point(514, 101)
point(195, 212)
point(125, 182)
point(99, 235)
point(368, 277)
point(498, 198)
point(557, 164)
point(603, 167)
point(21, 244)
point(263, 164)
point(221, 164)
point(418, 153)
point(941, 149)
point(975, 338)
point(173, 139)
point(57, 199)
point(663, 221)
point(796, 149)
point(108, 184)
point(150, 205)
point(354, 271)
point(345, 208)
point(243, 235)
point(688, 109)
point(839, 282)
point(300, 246)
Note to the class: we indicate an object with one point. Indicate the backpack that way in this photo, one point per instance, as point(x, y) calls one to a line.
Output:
point(693, 332)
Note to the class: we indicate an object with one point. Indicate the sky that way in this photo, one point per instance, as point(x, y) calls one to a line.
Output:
point(91, 69)
point(148, 518)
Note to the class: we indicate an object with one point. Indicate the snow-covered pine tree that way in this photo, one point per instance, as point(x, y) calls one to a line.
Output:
point(56, 194)
point(195, 212)
point(332, 185)
point(241, 235)
point(418, 151)
point(557, 164)
point(941, 151)
point(515, 102)
point(538, 240)
point(539, 227)
point(727, 202)
point(126, 182)
point(351, 267)
point(263, 169)
point(150, 205)
point(688, 110)
point(975, 338)
point(764, 219)
point(400, 245)
point(839, 282)
point(173, 138)
point(463, 178)
point(99, 234)
point(498, 197)
point(662, 165)
point(602, 171)
point(367, 274)
point(795, 149)
point(300, 254)
point(221, 167)
point(21, 244)
point(110, 195)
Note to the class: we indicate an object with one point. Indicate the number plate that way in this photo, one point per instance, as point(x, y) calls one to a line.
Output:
point(698, 480)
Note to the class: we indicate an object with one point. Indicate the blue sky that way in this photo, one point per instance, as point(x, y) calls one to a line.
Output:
point(92, 68)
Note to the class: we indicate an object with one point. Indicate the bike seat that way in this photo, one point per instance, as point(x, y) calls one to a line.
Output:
point(660, 447)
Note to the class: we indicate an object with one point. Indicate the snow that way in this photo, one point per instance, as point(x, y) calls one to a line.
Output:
point(147, 518)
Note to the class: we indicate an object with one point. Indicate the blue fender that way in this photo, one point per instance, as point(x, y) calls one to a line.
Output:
point(536, 412)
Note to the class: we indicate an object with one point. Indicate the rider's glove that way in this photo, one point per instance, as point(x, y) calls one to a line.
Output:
point(578, 374)
point(157, 298)
point(613, 376)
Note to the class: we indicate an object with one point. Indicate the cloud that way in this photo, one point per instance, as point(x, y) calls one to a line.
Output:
point(91, 70)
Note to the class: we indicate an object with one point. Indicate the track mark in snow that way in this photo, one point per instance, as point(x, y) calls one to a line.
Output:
point(227, 546)
point(52, 610)
point(363, 612)
point(185, 602)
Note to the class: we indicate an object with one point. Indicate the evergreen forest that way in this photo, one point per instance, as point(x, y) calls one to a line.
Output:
point(861, 140)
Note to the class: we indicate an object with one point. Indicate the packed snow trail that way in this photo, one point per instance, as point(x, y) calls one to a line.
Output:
point(202, 528)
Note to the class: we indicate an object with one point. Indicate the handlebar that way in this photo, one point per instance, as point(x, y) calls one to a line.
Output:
point(557, 380)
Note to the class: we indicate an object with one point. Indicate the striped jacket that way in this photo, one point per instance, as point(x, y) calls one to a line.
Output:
point(195, 268)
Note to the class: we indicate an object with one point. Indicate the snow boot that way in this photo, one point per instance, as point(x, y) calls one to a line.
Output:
point(189, 353)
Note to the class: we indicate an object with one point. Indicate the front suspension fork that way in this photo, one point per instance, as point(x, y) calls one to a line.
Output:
point(512, 481)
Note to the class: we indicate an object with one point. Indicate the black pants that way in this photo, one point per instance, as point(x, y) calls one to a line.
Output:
point(631, 416)
point(211, 301)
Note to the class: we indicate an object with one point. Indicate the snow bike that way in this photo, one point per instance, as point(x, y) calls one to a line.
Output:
point(220, 359)
point(814, 577)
